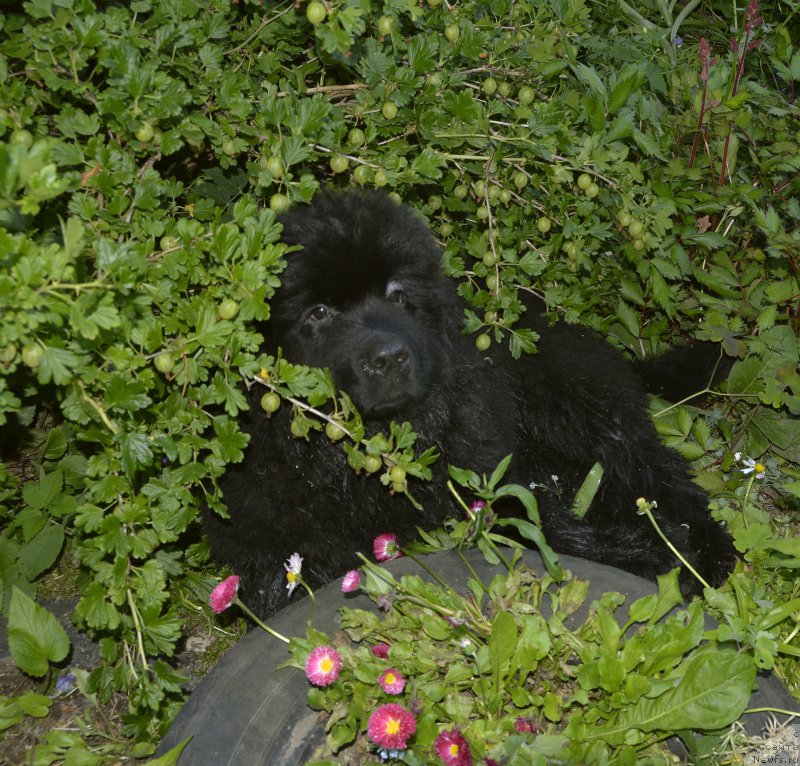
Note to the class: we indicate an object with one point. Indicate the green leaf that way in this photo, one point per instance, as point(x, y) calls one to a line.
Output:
point(230, 440)
point(41, 494)
point(589, 77)
point(622, 127)
point(35, 636)
point(41, 552)
point(56, 365)
point(534, 642)
point(502, 646)
point(499, 471)
point(713, 691)
point(669, 595)
point(647, 144)
point(35, 705)
point(587, 491)
point(124, 393)
point(135, 451)
point(525, 496)
point(170, 758)
point(622, 90)
point(428, 163)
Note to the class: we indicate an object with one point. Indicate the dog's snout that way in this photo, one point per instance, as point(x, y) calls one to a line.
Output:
point(389, 357)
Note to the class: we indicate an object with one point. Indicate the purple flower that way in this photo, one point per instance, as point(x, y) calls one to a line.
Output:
point(65, 682)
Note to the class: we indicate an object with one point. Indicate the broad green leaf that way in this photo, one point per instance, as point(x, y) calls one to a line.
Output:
point(534, 642)
point(502, 645)
point(713, 692)
point(41, 552)
point(35, 636)
point(41, 494)
point(36, 705)
point(136, 452)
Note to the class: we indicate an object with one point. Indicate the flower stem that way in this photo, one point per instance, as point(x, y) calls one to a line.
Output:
point(257, 621)
point(433, 574)
point(472, 571)
point(491, 543)
point(747, 498)
point(308, 590)
point(646, 509)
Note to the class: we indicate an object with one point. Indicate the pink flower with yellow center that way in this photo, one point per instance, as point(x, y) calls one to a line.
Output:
point(351, 581)
point(323, 665)
point(391, 726)
point(392, 681)
point(385, 547)
point(453, 749)
point(224, 594)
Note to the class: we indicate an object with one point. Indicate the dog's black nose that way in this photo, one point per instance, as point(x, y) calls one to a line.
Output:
point(390, 357)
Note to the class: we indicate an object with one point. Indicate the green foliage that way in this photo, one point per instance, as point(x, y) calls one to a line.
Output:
point(144, 150)
point(13, 710)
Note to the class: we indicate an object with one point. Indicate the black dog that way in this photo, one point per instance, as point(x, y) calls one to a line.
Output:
point(365, 297)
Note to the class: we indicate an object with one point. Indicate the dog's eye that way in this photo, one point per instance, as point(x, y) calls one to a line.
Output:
point(395, 293)
point(318, 313)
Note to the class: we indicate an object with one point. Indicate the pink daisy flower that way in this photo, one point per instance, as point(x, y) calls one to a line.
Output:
point(391, 726)
point(323, 665)
point(392, 681)
point(381, 651)
point(525, 725)
point(351, 581)
point(453, 749)
point(385, 547)
point(224, 594)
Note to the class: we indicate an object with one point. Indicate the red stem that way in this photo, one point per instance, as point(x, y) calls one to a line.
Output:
point(696, 143)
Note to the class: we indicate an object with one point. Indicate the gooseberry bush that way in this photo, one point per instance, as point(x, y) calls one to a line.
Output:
point(636, 169)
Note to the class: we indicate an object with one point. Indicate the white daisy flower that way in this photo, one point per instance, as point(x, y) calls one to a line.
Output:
point(293, 566)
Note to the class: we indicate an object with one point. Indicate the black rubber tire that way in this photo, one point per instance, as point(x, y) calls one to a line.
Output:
point(247, 713)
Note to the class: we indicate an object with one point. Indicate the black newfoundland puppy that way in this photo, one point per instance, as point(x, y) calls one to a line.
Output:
point(365, 297)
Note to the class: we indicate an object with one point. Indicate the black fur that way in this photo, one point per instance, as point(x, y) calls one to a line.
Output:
point(402, 357)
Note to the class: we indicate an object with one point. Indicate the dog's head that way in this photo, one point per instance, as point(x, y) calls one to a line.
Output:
point(364, 297)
